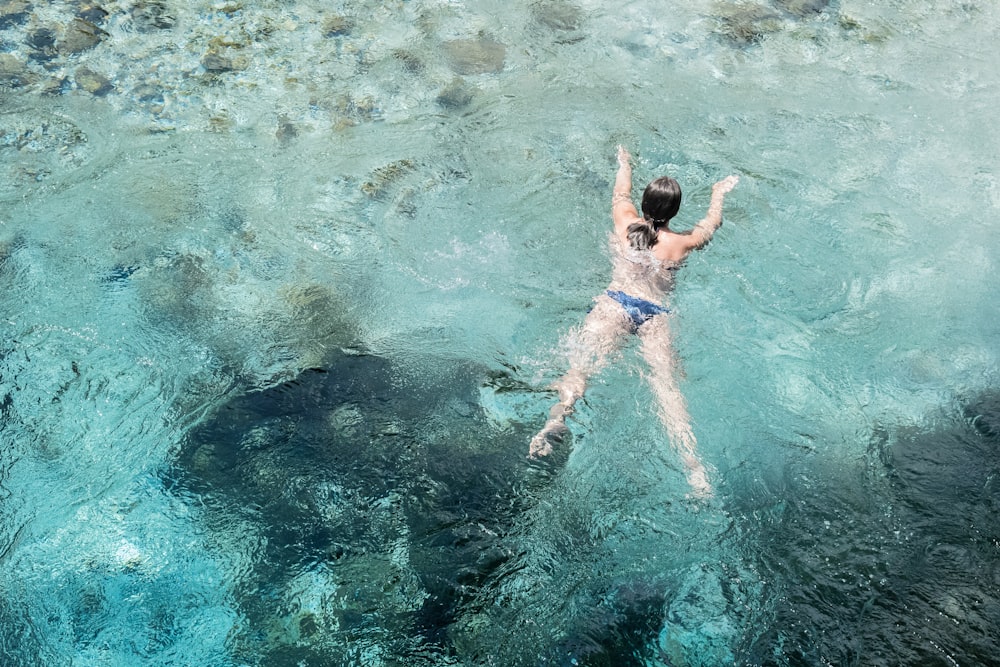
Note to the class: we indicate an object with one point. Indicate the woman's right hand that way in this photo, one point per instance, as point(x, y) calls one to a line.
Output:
point(623, 156)
point(725, 185)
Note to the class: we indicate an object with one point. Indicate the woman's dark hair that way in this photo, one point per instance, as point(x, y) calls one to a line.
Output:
point(660, 201)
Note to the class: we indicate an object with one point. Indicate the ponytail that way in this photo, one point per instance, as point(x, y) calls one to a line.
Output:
point(641, 235)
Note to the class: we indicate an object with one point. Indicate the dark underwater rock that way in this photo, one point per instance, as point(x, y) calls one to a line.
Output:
point(42, 45)
point(22, 641)
point(42, 38)
point(91, 11)
point(983, 414)
point(14, 12)
point(619, 625)
point(6, 248)
point(117, 277)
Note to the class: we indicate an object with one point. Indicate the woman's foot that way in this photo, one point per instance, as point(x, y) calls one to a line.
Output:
point(554, 433)
point(697, 478)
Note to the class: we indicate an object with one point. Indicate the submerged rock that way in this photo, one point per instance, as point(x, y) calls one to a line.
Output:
point(852, 26)
point(286, 130)
point(43, 134)
point(225, 56)
point(337, 26)
point(92, 82)
point(57, 85)
point(150, 15)
point(149, 95)
point(13, 12)
point(13, 72)
point(42, 43)
point(91, 11)
point(411, 62)
point(930, 558)
point(803, 8)
point(618, 625)
point(557, 14)
point(481, 55)
point(349, 110)
point(79, 36)
point(383, 177)
point(456, 95)
point(184, 292)
point(745, 25)
point(370, 514)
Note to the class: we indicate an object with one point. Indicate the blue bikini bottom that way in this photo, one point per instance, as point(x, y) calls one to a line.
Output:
point(639, 310)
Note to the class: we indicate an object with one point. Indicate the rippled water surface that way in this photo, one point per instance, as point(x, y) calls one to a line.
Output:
point(283, 285)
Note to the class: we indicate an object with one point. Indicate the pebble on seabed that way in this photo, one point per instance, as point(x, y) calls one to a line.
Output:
point(92, 82)
point(336, 26)
point(558, 15)
point(223, 56)
point(481, 55)
point(803, 8)
point(287, 130)
point(13, 72)
point(79, 36)
point(456, 95)
point(744, 25)
point(150, 15)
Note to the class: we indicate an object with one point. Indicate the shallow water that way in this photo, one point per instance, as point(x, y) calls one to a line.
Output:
point(282, 295)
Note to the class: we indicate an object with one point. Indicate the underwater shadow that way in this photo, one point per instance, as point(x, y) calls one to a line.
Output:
point(358, 511)
point(895, 564)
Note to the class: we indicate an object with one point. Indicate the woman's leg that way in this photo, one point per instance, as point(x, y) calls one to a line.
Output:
point(659, 354)
point(602, 332)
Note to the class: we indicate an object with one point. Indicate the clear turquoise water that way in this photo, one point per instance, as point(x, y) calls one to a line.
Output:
point(275, 336)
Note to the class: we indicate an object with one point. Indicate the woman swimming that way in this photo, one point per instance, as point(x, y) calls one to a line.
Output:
point(645, 256)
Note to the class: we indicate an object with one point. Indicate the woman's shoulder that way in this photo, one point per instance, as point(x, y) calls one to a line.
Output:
point(672, 247)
